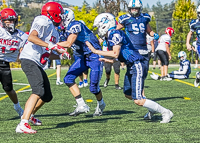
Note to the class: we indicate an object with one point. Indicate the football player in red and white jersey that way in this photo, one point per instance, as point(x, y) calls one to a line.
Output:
point(163, 51)
point(41, 41)
point(11, 40)
point(150, 45)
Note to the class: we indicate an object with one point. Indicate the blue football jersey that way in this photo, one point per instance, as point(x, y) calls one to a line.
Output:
point(135, 28)
point(128, 53)
point(186, 64)
point(84, 34)
point(195, 27)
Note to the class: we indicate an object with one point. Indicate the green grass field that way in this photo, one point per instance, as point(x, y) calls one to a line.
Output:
point(122, 120)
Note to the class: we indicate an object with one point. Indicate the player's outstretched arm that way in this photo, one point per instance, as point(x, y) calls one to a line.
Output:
point(189, 48)
point(152, 33)
point(113, 54)
point(70, 40)
point(33, 37)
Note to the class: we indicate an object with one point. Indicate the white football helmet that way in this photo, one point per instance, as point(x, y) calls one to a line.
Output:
point(137, 4)
point(68, 16)
point(104, 22)
point(182, 55)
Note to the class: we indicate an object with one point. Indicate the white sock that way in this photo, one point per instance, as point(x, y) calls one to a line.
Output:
point(154, 107)
point(58, 78)
point(23, 121)
point(100, 102)
point(31, 116)
point(80, 101)
point(16, 106)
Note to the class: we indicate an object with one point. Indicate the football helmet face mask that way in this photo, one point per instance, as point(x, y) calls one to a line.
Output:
point(53, 11)
point(104, 22)
point(135, 7)
point(68, 16)
point(182, 56)
point(169, 31)
point(8, 14)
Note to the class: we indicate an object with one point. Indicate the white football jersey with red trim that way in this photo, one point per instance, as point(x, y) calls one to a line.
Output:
point(164, 39)
point(10, 44)
point(47, 33)
point(149, 39)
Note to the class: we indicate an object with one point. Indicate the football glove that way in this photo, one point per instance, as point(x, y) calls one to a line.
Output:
point(156, 36)
point(65, 55)
point(152, 54)
point(56, 47)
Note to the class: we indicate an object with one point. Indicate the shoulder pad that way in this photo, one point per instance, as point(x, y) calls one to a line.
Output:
point(41, 20)
point(194, 21)
point(124, 17)
point(146, 16)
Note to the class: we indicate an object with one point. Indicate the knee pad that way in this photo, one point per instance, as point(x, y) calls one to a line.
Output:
point(8, 88)
point(69, 84)
point(69, 80)
point(47, 99)
point(95, 89)
point(108, 71)
point(117, 71)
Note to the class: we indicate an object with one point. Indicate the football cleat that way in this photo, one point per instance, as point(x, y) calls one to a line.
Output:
point(80, 109)
point(106, 82)
point(167, 79)
point(59, 83)
point(80, 85)
point(166, 116)
point(117, 87)
point(154, 76)
point(25, 128)
point(149, 115)
point(196, 82)
point(99, 109)
point(19, 110)
point(35, 121)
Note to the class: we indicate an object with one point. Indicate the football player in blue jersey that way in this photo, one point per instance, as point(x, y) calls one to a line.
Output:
point(77, 33)
point(195, 27)
point(120, 48)
point(183, 72)
point(136, 26)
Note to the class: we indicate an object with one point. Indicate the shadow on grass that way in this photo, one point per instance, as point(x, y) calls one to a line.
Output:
point(67, 124)
point(47, 115)
point(156, 118)
point(166, 98)
point(113, 85)
point(113, 112)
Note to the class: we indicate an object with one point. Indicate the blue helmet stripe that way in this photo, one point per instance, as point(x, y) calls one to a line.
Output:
point(133, 4)
point(141, 2)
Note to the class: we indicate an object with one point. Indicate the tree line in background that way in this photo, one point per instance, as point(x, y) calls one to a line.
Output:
point(176, 14)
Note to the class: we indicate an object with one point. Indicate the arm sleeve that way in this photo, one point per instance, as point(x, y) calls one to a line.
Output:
point(115, 39)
